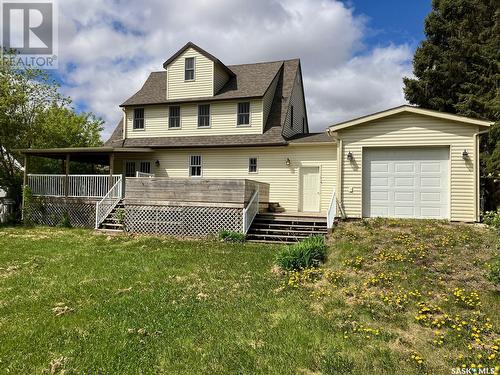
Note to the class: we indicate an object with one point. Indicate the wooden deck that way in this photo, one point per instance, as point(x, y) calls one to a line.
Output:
point(191, 192)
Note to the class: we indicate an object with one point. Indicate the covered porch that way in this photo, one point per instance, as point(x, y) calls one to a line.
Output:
point(147, 204)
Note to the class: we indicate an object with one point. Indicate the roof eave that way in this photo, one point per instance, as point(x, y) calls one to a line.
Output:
point(408, 109)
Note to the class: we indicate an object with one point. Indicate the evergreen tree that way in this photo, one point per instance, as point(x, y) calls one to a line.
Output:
point(457, 68)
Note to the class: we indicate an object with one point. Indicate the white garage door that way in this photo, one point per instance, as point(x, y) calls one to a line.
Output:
point(406, 182)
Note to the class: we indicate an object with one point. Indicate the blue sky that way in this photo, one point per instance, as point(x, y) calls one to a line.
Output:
point(394, 21)
point(354, 53)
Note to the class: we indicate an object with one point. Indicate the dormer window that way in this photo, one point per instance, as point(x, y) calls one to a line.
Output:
point(189, 69)
point(243, 114)
point(138, 119)
point(204, 115)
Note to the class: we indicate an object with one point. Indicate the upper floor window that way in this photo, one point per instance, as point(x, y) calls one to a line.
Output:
point(189, 68)
point(138, 118)
point(243, 113)
point(174, 117)
point(252, 165)
point(195, 166)
point(204, 115)
point(291, 117)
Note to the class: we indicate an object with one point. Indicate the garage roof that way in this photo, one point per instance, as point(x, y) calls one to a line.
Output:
point(408, 109)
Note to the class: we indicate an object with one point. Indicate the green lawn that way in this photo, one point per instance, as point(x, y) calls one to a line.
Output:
point(73, 301)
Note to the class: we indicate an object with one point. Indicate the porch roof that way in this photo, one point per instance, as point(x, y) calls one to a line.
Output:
point(96, 155)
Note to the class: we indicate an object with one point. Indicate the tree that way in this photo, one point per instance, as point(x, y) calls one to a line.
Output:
point(33, 114)
point(457, 67)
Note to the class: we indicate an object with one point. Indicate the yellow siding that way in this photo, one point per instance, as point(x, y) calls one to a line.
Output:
point(297, 101)
point(412, 130)
point(223, 120)
point(201, 86)
point(233, 163)
point(268, 99)
point(220, 78)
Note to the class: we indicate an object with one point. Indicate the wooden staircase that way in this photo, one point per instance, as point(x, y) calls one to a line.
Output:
point(114, 221)
point(285, 228)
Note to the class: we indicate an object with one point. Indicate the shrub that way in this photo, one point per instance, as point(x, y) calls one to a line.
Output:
point(231, 236)
point(309, 252)
point(65, 220)
point(492, 218)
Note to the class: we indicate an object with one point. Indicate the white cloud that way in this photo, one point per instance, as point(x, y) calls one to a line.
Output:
point(108, 47)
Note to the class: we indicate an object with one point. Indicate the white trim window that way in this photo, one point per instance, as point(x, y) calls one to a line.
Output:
point(243, 114)
point(174, 117)
point(189, 65)
point(203, 115)
point(252, 165)
point(138, 119)
point(195, 166)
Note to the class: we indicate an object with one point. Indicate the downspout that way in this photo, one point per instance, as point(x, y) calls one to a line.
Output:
point(477, 174)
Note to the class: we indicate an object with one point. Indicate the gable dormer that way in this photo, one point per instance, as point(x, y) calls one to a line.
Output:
point(194, 73)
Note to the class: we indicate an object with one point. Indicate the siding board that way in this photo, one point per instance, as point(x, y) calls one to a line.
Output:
point(202, 85)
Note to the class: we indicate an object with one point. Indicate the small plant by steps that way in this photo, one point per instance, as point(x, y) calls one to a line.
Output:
point(310, 252)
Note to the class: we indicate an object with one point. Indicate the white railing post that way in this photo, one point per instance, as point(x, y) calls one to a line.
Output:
point(250, 211)
point(332, 211)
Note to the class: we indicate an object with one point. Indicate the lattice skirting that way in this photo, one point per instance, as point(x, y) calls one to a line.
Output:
point(182, 220)
point(50, 211)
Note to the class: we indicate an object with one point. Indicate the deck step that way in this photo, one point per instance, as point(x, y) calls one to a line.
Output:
point(285, 228)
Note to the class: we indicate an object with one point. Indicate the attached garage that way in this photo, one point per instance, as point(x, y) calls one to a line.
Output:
point(409, 162)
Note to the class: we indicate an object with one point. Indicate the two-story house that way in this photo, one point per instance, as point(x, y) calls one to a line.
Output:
point(203, 146)
point(206, 119)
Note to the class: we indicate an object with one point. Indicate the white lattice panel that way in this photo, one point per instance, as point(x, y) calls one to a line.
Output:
point(50, 212)
point(181, 220)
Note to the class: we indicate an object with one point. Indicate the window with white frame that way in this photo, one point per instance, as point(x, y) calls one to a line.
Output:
point(243, 114)
point(204, 115)
point(138, 119)
point(252, 165)
point(174, 117)
point(195, 166)
point(189, 68)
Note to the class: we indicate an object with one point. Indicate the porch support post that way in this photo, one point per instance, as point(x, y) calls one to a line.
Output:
point(25, 183)
point(111, 169)
point(25, 173)
point(66, 179)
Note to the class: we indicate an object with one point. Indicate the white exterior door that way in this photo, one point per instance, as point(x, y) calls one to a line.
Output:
point(406, 182)
point(310, 188)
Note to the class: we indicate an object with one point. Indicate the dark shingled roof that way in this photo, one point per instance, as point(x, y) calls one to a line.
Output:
point(252, 80)
point(312, 138)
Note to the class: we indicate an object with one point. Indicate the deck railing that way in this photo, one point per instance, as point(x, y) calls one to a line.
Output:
point(332, 211)
point(144, 174)
point(250, 211)
point(105, 205)
point(60, 185)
